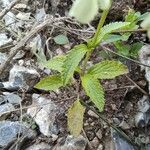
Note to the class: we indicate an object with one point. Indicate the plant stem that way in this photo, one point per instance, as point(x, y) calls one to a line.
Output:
point(100, 25)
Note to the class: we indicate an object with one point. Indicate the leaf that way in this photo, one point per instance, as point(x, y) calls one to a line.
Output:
point(75, 118)
point(113, 38)
point(122, 48)
point(135, 49)
point(50, 83)
point(107, 69)
point(84, 10)
point(107, 29)
point(72, 60)
point(94, 90)
point(61, 39)
point(132, 16)
point(55, 63)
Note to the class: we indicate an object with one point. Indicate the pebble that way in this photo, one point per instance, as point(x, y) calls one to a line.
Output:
point(44, 114)
point(73, 143)
point(40, 146)
point(92, 114)
point(10, 130)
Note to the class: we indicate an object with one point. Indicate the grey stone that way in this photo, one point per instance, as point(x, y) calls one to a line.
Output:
point(72, 143)
point(144, 57)
point(120, 143)
point(3, 58)
point(12, 98)
point(40, 14)
point(99, 134)
point(10, 130)
point(5, 108)
point(44, 114)
point(92, 114)
point(40, 146)
point(100, 147)
point(21, 77)
point(142, 118)
point(95, 143)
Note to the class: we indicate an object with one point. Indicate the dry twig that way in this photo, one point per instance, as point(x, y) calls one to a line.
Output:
point(23, 42)
point(7, 9)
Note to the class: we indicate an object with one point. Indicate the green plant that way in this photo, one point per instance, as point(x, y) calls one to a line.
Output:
point(76, 60)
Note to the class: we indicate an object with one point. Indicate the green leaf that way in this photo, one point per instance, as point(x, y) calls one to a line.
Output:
point(94, 90)
point(122, 48)
point(110, 38)
point(84, 10)
point(55, 63)
point(132, 16)
point(107, 29)
point(72, 60)
point(61, 39)
point(75, 118)
point(135, 49)
point(50, 83)
point(107, 69)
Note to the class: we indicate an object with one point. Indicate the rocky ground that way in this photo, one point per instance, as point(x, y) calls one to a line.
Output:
point(32, 119)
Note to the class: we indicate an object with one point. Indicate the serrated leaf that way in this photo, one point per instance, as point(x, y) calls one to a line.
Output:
point(84, 10)
point(50, 83)
point(94, 90)
point(107, 29)
point(55, 63)
point(61, 39)
point(75, 118)
point(72, 60)
point(107, 69)
point(122, 48)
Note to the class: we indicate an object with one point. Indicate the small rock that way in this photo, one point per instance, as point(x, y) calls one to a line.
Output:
point(23, 16)
point(148, 147)
point(21, 6)
point(9, 132)
point(40, 14)
point(44, 114)
point(5, 108)
point(120, 143)
point(124, 125)
point(99, 134)
point(72, 143)
point(3, 58)
point(12, 98)
point(100, 147)
point(40, 146)
point(4, 39)
point(95, 142)
point(92, 114)
point(54, 137)
point(21, 77)
point(144, 58)
point(142, 118)
point(116, 121)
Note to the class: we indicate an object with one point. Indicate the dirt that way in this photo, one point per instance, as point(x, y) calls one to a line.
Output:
point(121, 95)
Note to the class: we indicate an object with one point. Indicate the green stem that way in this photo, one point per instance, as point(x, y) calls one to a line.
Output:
point(100, 25)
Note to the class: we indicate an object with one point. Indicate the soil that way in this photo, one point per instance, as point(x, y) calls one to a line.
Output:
point(121, 95)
